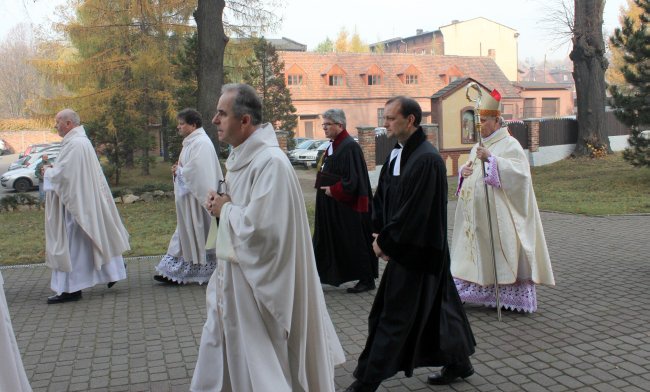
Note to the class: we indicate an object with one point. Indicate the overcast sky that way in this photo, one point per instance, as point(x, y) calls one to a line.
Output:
point(310, 22)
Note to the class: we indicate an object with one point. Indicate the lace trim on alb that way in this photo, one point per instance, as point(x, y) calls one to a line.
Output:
point(181, 271)
point(520, 296)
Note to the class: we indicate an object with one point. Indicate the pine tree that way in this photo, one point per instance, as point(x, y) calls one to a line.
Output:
point(613, 75)
point(326, 46)
point(266, 76)
point(631, 100)
point(121, 53)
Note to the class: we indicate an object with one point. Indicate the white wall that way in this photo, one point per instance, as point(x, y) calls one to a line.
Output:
point(550, 154)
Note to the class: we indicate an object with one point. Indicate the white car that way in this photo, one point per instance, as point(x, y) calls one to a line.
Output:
point(305, 153)
point(24, 179)
point(27, 160)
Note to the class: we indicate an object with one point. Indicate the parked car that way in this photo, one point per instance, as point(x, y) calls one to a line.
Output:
point(298, 140)
point(24, 179)
point(34, 148)
point(320, 151)
point(305, 153)
point(27, 159)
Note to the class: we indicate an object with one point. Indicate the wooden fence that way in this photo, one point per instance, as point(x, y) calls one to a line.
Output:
point(518, 131)
point(563, 130)
point(383, 146)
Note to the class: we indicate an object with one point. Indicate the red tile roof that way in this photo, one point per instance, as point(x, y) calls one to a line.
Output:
point(355, 65)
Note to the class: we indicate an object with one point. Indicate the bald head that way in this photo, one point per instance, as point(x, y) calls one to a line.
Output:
point(65, 120)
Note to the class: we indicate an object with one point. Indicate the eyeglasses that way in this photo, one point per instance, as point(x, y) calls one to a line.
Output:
point(325, 125)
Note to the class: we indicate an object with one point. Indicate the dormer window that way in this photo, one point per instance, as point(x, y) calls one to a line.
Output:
point(374, 80)
point(409, 74)
point(333, 75)
point(335, 80)
point(294, 75)
point(411, 79)
point(294, 80)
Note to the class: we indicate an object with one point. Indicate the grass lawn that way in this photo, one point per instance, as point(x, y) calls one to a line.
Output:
point(584, 186)
point(607, 186)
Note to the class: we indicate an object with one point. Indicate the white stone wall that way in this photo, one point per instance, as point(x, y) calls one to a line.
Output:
point(619, 143)
point(550, 154)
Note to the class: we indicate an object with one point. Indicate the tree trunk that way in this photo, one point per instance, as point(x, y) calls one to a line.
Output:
point(212, 44)
point(589, 65)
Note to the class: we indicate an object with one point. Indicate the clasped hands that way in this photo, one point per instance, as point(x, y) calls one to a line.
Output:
point(215, 202)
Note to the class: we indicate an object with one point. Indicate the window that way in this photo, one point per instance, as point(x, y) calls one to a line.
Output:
point(294, 80)
point(411, 79)
point(374, 80)
point(550, 107)
point(467, 127)
point(380, 117)
point(336, 80)
point(529, 107)
point(309, 129)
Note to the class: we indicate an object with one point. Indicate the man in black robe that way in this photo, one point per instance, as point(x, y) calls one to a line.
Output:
point(417, 318)
point(343, 231)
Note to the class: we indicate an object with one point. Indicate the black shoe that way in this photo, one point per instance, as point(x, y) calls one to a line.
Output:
point(450, 373)
point(163, 279)
point(358, 386)
point(64, 297)
point(362, 286)
point(111, 284)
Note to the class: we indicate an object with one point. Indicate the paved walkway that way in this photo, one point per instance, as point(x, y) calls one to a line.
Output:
point(591, 332)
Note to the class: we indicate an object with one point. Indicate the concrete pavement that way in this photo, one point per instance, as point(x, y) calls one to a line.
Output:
point(591, 331)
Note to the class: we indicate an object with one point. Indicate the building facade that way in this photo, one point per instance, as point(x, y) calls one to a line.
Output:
point(360, 83)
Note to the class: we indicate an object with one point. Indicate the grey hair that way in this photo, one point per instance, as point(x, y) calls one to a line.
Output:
point(246, 101)
point(336, 115)
point(71, 115)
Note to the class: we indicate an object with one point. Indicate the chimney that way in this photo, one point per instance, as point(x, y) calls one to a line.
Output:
point(418, 31)
point(492, 53)
point(455, 21)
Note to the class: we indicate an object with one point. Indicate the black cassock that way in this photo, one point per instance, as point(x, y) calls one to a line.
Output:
point(417, 318)
point(342, 228)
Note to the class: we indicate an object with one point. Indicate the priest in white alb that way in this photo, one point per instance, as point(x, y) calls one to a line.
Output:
point(12, 372)
point(84, 235)
point(267, 327)
point(197, 172)
point(522, 259)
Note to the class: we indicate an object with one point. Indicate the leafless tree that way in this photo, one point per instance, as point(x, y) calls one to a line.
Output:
point(215, 21)
point(589, 65)
point(18, 79)
point(581, 23)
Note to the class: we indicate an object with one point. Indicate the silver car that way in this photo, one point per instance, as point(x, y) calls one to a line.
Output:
point(305, 153)
point(26, 160)
point(24, 179)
